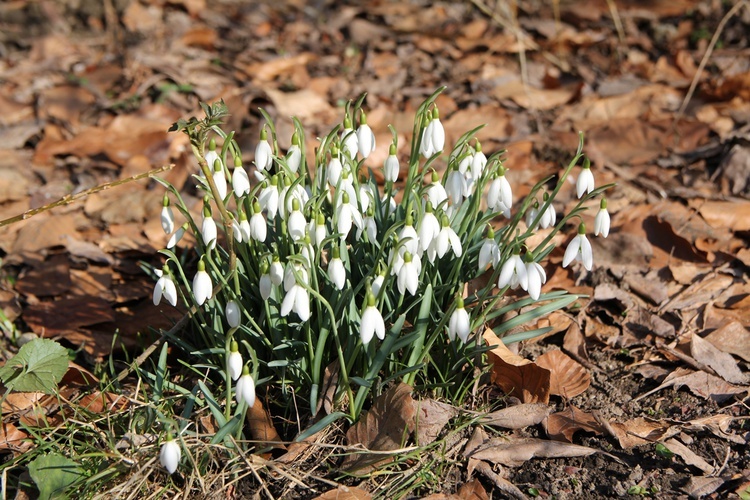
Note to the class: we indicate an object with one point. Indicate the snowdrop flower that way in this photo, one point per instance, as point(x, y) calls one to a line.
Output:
point(202, 286)
point(244, 390)
point(368, 226)
point(436, 193)
point(579, 249)
point(489, 253)
point(334, 167)
point(240, 180)
point(601, 221)
point(447, 239)
point(165, 287)
point(208, 229)
point(459, 324)
point(269, 197)
point(233, 314)
point(177, 235)
point(464, 166)
point(426, 148)
point(536, 277)
point(220, 180)
point(318, 229)
point(244, 227)
point(265, 283)
point(365, 136)
point(290, 193)
point(408, 235)
point(276, 271)
point(513, 273)
point(377, 284)
point(372, 321)
point(456, 187)
point(433, 137)
point(170, 454)
point(294, 154)
point(349, 141)
point(531, 216)
point(429, 228)
point(263, 152)
point(346, 214)
point(408, 275)
point(585, 181)
point(478, 162)
point(167, 216)
point(391, 168)
point(336, 270)
point(236, 231)
point(500, 195)
point(234, 362)
point(549, 216)
point(211, 156)
point(297, 223)
point(296, 298)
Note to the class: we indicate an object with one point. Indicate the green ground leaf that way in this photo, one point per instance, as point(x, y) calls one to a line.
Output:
point(53, 474)
point(38, 367)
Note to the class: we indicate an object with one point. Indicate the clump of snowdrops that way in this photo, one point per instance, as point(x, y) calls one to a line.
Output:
point(313, 268)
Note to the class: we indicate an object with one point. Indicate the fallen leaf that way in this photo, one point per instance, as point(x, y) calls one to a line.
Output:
point(517, 417)
point(431, 417)
point(701, 486)
point(261, 427)
point(734, 215)
point(98, 402)
point(721, 362)
point(700, 383)
point(567, 377)
point(345, 493)
point(515, 375)
point(688, 456)
point(13, 439)
point(473, 490)
point(514, 452)
point(716, 424)
point(640, 431)
point(384, 427)
point(65, 315)
point(732, 338)
point(561, 426)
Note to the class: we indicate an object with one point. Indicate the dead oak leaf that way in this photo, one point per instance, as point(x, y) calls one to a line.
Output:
point(515, 452)
point(567, 377)
point(515, 375)
point(431, 418)
point(561, 426)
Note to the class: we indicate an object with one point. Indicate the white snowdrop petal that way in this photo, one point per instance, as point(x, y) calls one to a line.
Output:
point(572, 251)
point(170, 455)
point(587, 255)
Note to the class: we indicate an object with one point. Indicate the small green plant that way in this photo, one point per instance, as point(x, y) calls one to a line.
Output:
point(323, 270)
point(663, 451)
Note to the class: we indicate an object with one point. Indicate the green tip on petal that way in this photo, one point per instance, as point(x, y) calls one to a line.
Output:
point(335, 252)
point(445, 221)
point(581, 228)
point(206, 211)
point(459, 302)
point(233, 347)
point(603, 204)
point(500, 170)
point(274, 181)
point(217, 165)
point(212, 145)
point(435, 113)
point(320, 219)
point(295, 139)
point(428, 207)
point(345, 197)
point(165, 200)
point(586, 163)
point(409, 220)
point(370, 299)
point(243, 215)
point(201, 266)
point(347, 122)
point(490, 232)
point(392, 149)
point(295, 204)
point(545, 196)
point(334, 150)
point(435, 177)
point(478, 147)
point(237, 161)
point(362, 117)
point(245, 370)
point(256, 207)
point(169, 436)
point(407, 257)
point(264, 267)
point(263, 134)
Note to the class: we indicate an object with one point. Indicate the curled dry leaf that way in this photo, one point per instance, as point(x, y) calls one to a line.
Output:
point(13, 439)
point(515, 375)
point(431, 417)
point(721, 362)
point(261, 427)
point(700, 383)
point(517, 417)
point(561, 426)
point(514, 452)
point(345, 493)
point(732, 338)
point(567, 377)
point(641, 431)
point(688, 456)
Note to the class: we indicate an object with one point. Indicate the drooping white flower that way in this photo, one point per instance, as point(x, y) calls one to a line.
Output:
point(489, 253)
point(290, 193)
point(165, 287)
point(349, 141)
point(579, 249)
point(220, 179)
point(265, 283)
point(211, 156)
point(177, 236)
point(549, 217)
point(276, 271)
point(429, 228)
point(244, 390)
point(459, 324)
point(167, 216)
point(170, 454)
point(513, 273)
point(438, 131)
point(234, 362)
point(318, 229)
point(294, 154)
point(307, 252)
point(585, 181)
point(236, 231)
point(240, 179)
point(202, 286)
point(257, 225)
point(233, 314)
point(244, 226)
point(408, 236)
point(602, 220)
point(372, 321)
point(263, 152)
point(347, 214)
point(426, 148)
point(369, 226)
point(377, 284)
point(297, 223)
point(456, 187)
point(336, 270)
point(464, 165)
point(208, 230)
point(408, 275)
point(531, 215)
point(365, 137)
point(537, 277)
point(500, 195)
point(436, 193)
point(296, 298)
point(391, 167)
point(447, 239)
point(478, 162)
point(334, 168)
point(269, 197)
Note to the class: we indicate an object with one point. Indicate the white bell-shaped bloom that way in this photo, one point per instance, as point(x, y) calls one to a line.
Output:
point(334, 168)
point(233, 313)
point(500, 195)
point(408, 236)
point(294, 154)
point(276, 271)
point(456, 187)
point(531, 215)
point(549, 217)
point(585, 181)
point(513, 273)
point(602, 220)
point(165, 287)
point(436, 193)
point(258, 226)
point(372, 322)
point(365, 137)
point(369, 226)
point(426, 148)
point(240, 179)
point(437, 134)
point(408, 275)
point(579, 249)
point(220, 179)
point(236, 231)
point(211, 156)
point(167, 216)
point(234, 362)
point(459, 324)
point(177, 236)
point(489, 252)
point(244, 390)
point(170, 454)
point(336, 270)
point(297, 224)
point(347, 214)
point(537, 277)
point(268, 198)
point(391, 168)
point(447, 239)
point(429, 228)
point(296, 299)
point(263, 152)
point(478, 162)
point(202, 286)
point(265, 285)
point(377, 284)
point(318, 229)
point(349, 141)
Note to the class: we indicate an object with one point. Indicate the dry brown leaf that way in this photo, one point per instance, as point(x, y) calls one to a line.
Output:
point(345, 493)
point(700, 383)
point(733, 338)
point(504, 487)
point(567, 377)
point(561, 426)
point(473, 490)
point(514, 452)
point(384, 427)
point(701, 486)
point(17, 403)
point(98, 402)
point(716, 424)
point(66, 315)
point(13, 438)
point(721, 362)
point(688, 456)
point(575, 343)
point(517, 417)
point(641, 431)
point(515, 375)
point(733, 215)
point(261, 427)
point(431, 416)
